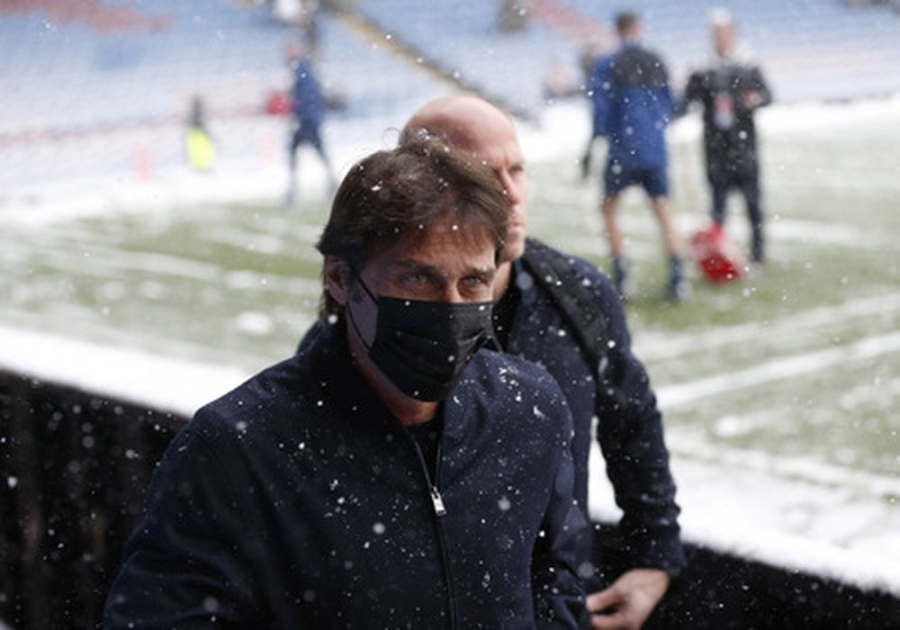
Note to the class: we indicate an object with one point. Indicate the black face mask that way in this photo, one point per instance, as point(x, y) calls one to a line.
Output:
point(423, 347)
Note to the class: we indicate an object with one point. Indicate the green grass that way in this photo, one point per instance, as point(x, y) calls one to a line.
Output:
point(832, 286)
point(800, 362)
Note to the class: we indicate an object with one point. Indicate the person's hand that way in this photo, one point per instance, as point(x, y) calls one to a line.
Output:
point(628, 601)
point(585, 164)
point(752, 99)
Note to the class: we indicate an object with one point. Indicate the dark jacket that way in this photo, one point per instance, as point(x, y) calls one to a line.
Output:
point(633, 104)
point(309, 102)
point(629, 424)
point(299, 501)
point(729, 132)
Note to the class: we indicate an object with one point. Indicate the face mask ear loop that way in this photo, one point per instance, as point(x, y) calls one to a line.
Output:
point(349, 311)
point(359, 279)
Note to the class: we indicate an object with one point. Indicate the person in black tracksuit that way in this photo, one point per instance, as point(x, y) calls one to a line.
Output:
point(389, 475)
point(730, 91)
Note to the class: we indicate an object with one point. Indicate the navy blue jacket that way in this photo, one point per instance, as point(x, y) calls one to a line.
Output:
point(299, 501)
point(629, 424)
point(633, 104)
point(309, 102)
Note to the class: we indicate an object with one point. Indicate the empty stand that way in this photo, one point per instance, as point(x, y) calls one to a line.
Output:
point(106, 84)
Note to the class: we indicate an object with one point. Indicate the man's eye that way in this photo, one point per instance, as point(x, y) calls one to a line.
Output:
point(417, 279)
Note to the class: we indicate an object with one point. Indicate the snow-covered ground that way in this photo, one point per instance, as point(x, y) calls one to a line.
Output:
point(798, 516)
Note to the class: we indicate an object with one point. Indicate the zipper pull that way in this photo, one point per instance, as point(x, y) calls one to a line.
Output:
point(438, 501)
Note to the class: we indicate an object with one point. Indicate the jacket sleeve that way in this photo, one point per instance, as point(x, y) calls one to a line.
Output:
point(758, 82)
point(182, 565)
point(693, 91)
point(557, 587)
point(630, 433)
point(599, 91)
point(668, 104)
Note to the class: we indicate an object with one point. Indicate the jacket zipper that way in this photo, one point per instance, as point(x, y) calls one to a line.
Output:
point(440, 510)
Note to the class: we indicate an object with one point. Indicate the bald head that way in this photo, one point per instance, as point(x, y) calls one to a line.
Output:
point(464, 121)
point(473, 124)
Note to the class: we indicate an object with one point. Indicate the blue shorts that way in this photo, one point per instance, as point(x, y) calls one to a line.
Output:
point(653, 179)
point(305, 133)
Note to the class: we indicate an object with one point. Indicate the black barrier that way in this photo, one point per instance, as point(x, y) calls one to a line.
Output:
point(723, 592)
point(74, 466)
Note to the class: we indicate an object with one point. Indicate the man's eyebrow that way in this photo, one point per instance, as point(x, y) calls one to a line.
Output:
point(428, 268)
point(410, 264)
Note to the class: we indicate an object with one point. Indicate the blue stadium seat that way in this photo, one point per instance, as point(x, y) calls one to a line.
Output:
point(76, 76)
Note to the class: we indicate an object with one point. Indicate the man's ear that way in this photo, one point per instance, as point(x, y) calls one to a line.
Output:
point(337, 279)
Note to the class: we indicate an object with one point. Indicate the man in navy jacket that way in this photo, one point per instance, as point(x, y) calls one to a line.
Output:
point(531, 322)
point(391, 474)
point(633, 105)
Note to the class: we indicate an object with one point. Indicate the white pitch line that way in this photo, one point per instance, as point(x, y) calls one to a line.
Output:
point(652, 346)
point(806, 469)
point(777, 369)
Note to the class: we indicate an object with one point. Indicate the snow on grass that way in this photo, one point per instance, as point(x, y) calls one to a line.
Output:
point(792, 512)
point(779, 369)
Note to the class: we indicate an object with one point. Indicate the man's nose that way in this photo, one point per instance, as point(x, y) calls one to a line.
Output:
point(453, 296)
point(512, 191)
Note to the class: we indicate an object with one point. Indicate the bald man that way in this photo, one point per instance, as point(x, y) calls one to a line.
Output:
point(580, 335)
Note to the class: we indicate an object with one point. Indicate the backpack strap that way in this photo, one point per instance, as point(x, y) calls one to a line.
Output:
point(552, 271)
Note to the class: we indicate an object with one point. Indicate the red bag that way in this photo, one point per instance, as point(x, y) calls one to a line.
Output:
point(279, 104)
point(717, 257)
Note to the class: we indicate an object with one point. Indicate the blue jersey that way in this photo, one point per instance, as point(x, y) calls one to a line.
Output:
point(309, 103)
point(633, 104)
